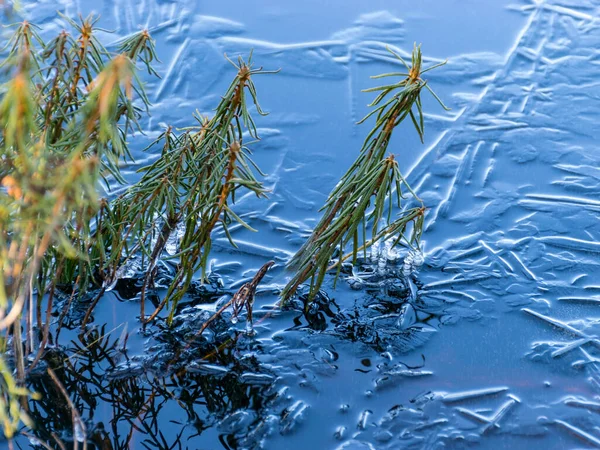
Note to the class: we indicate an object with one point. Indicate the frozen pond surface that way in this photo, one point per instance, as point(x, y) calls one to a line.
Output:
point(502, 350)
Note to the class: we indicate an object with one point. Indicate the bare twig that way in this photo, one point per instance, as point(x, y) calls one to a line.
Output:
point(76, 417)
point(243, 297)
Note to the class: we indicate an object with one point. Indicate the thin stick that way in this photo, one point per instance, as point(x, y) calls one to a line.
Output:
point(75, 417)
point(214, 317)
point(58, 441)
point(245, 294)
point(31, 437)
point(92, 306)
point(46, 325)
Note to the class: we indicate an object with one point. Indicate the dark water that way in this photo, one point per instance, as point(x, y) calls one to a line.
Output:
point(501, 351)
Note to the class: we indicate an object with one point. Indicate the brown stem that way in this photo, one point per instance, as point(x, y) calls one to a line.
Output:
point(161, 241)
point(233, 151)
point(75, 416)
point(18, 349)
point(246, 292)
point(65, 310)
point(84, 41)
point(92, 306)
point(72, 97)
point(46, 334)
point(54, 90)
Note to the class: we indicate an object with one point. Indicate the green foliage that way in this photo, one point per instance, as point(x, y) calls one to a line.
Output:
point(366, 195)
point(191, 186)
point(11, 413)
point(64, 115)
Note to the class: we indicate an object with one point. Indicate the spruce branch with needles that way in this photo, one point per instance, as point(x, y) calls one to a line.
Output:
point(373, 187)
point(192, 186)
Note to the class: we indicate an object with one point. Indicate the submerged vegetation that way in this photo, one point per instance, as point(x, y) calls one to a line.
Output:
point(66, 112)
